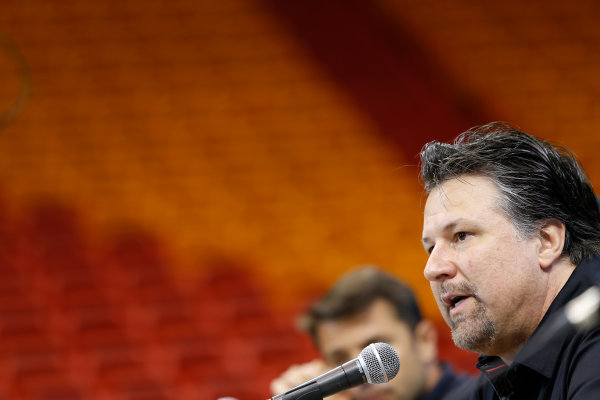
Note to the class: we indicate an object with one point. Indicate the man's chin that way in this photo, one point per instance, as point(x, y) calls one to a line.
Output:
point(473, 338)
point(371, 392)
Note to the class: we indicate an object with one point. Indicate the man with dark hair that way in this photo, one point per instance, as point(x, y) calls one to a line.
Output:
point(367, 306)
point(512, 228)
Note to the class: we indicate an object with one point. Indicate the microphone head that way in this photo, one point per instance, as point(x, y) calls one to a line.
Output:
point(380, 362)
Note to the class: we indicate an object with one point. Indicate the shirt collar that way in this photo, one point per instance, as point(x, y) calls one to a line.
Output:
point(531, 356)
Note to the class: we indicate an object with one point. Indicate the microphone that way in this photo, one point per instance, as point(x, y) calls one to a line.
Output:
point(579, 314)
point(582, 311)
point(376, 363)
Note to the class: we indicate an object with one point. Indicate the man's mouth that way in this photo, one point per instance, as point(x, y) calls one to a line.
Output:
point(456, 300)
point(453, 300)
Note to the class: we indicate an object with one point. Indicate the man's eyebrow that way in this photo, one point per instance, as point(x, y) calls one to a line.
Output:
point(448, 227)
point(375, 339)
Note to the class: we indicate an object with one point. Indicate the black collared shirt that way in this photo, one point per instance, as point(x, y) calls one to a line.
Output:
point(558, 366)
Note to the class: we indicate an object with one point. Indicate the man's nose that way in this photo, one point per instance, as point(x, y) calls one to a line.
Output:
point(440, 265)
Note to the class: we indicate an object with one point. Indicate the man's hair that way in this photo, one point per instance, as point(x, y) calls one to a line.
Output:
point(537, 181)
point(354, 292)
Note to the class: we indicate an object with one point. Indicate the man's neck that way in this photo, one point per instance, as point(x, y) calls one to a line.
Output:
point(433, 375)
point(559, 274)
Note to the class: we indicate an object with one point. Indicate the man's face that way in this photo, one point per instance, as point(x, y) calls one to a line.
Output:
point(486, 279)
point(342, 340)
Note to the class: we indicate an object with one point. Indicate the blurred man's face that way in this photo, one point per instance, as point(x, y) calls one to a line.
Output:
point(343, 340)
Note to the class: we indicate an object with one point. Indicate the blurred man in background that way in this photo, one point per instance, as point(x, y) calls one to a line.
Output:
point(367, 306)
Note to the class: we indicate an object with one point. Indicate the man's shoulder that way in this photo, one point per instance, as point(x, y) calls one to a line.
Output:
point(590, 269)
point(473, 388)
point(451, 383)
point(577, 369)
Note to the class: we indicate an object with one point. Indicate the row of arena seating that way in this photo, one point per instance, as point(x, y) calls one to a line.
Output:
point(78, 321)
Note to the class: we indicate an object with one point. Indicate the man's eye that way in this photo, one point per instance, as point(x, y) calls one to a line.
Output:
point(460, 236)
point(338, 361)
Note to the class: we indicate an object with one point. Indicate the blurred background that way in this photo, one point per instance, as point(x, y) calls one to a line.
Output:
point(179, 179)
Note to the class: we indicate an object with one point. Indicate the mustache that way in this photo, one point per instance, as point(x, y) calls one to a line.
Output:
point(368, 391)
point(465, 288)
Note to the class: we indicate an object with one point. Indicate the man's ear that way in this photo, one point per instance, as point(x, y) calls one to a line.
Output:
point(552, 240)
point(427, 341)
